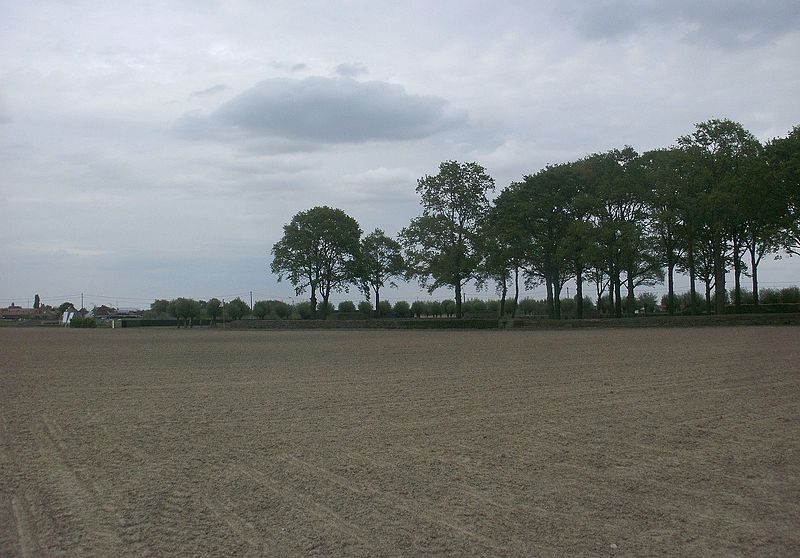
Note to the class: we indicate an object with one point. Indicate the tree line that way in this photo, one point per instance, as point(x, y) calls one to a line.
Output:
point(717, 201)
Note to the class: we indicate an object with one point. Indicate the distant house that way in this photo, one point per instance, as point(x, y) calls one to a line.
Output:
point(15, 312)
point(104, 312)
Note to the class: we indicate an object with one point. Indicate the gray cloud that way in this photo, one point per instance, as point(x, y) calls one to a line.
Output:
point(324, 110)
point(724, 23)
point(214, 89)
point(350, 69)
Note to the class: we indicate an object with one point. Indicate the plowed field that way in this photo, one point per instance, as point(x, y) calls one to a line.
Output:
point(376, 443)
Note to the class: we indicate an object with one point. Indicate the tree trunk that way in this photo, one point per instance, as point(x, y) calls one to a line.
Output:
point(737, 276)
point(377, 303)
point(314, 302)
point(579, 291)
point(503, 299)
point(458, 298)
point(557, 298)
point(617, 296)
point(550, 310)
point(516, 292)
point(708, 296)
point(754, 267)
point(719, 276)
point(325, 296)
point(692, 280)
point(611, 301)
point(631, 295)
point(671, 285)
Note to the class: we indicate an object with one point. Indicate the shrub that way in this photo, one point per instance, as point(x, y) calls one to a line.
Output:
point(304, 309)
point(493, 305)
point(347, 306)
point(402, 309)
point(365, 307)
point(83, 322)
point(280, 308)
point(384, 308)
point(769, 296)
point(435, 309)
point(449, 307)
point(790, 295)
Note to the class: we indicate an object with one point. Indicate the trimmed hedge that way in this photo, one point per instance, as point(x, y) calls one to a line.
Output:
point(83, 323)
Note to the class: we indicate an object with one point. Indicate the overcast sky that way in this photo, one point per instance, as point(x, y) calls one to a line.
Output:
point(156, 149)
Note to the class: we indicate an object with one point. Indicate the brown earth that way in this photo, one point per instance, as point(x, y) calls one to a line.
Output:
point(381, 443)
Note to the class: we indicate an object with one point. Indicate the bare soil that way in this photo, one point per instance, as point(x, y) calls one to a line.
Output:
point(381, 443)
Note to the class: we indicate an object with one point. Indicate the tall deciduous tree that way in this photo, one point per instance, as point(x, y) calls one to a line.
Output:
point(213, 309)
point(783, 159)
point(380, 262)
point(725, 147)
point(317, 253)
point(442, 245)
point(545, 199)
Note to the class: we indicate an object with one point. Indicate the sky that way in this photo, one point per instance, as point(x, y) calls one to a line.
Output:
point(155, 149)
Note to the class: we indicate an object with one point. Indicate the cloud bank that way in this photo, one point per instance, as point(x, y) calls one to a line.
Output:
point(325, 110)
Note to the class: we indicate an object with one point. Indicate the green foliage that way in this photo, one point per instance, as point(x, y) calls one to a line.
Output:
point(365, 307)
point(280, 309)
point(419, 308)
point(401, 309)
point(318, 252)
point(449, 307)
point(160, 306)
point(648, 302)
point(303, 309)
point(435, 309)
point(261, 309)
point(790, 295)
point(63, 307)
point(347, 306)
point(236, 309)
point(83, 323)
point(384, 308)
point(380, 261)
point(442, 246)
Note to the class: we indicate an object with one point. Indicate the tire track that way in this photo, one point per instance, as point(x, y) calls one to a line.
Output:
point(26, 533)
point(321, 512)
point(79, 497)
point(408, 505)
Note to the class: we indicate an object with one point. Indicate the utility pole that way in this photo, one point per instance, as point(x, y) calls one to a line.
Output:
point(251, 300)
point(81, 302)
point(223, 313)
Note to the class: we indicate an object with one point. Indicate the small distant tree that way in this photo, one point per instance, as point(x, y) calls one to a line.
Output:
point(384, 309)
point(261, 309)
point(214, 309)
point(36, 301)
point(365, 307)
point(402, 309)
point(435, 309)
point(647, 302)
point(418, 308)
point(159, 308)
point(448, 307)
point(347, 306)
point(237, 309)
point(380, 262)
point(63, 307)
point(280, 308)
point(303, 309)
